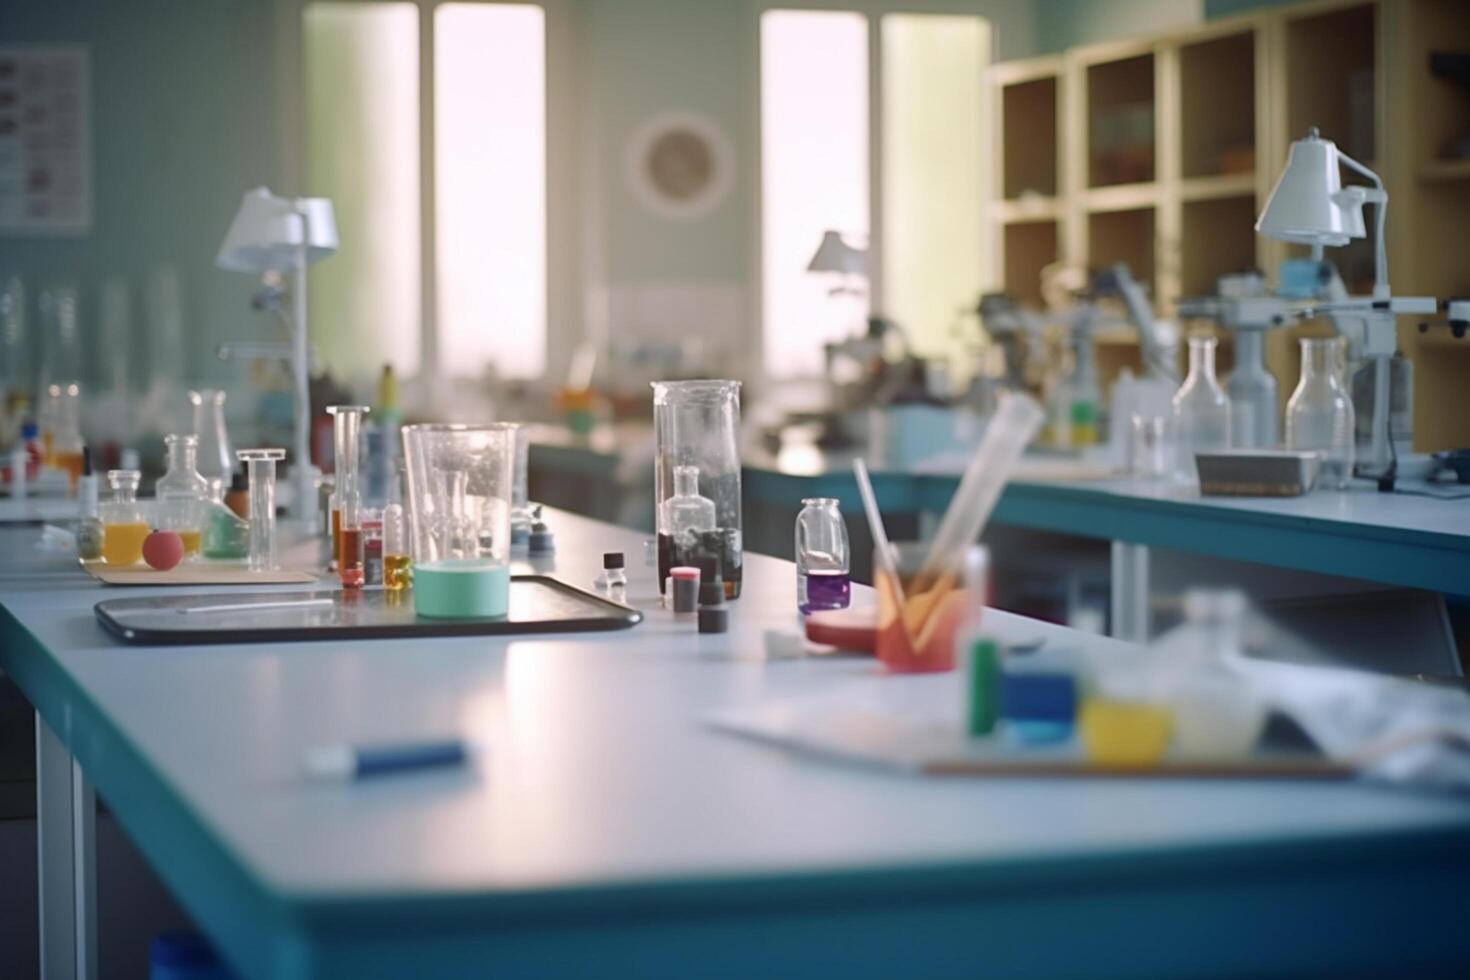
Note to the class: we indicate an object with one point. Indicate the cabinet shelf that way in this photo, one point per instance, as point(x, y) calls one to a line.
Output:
point(1217, 188)
point(1036, 208)
point(1444, 170)
point(1121, 197)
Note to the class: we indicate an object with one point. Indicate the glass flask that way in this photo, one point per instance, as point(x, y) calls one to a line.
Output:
point(124, 525)
point(697, 427)
point(183, 495)
point(66, 440)
point(823, 557)
point(1201, 407)
point(216, 461)
point(1252, 391)
point(1320, 413)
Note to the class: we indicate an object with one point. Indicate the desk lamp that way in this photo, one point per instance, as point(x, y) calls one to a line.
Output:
point(272, 236)
point(1309, 206)
point(834, 255)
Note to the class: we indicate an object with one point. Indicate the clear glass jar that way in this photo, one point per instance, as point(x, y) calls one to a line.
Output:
point(823, 557)
point(183, 494)
point(124, 524)
point(216, 461)
point(697, 427)
point(1320, 413)
point(1201, 407)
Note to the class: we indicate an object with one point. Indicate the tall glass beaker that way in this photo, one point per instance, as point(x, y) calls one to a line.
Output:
point(697, 462)
point(460, 485)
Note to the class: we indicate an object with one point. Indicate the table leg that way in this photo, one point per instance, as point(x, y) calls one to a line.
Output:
point(1130, 591)
point(66, 846)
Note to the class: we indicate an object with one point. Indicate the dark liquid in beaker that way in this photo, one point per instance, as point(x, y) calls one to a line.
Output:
point(721, 544)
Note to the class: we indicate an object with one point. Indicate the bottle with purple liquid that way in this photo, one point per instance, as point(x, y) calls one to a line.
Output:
point(822, 557)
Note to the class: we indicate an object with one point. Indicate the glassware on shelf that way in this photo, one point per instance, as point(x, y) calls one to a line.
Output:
point(1201, 407)
point(823, 557)
point(346, 433)
point(1151, 446)
point(697, 426)
point(1252, 391)
point(260, 469)
point(216, 461)
point(1320, 413)
point(183, 495)
point(124, 523)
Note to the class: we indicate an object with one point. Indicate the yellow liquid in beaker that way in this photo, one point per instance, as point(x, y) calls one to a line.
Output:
point(192, 541)
point(396, 571)
point(122, 544)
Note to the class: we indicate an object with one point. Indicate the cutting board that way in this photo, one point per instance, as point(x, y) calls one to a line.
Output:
point(194, 573)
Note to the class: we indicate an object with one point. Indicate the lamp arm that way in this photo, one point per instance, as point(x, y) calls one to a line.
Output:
point(1379, 197)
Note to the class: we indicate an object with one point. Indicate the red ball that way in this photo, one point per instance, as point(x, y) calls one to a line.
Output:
point(163, 550)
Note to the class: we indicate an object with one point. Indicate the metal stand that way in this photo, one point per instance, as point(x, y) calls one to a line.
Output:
point(66, 847)
point(1130, 592)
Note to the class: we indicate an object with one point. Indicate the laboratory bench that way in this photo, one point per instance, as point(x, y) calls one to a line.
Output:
point(1398, 541)
point(605, 828)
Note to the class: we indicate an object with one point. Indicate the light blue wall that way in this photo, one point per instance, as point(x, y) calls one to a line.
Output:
point(182, 123)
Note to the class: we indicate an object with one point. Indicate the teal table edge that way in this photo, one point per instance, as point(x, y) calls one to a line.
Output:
point(1393, 556)
point(947, 914)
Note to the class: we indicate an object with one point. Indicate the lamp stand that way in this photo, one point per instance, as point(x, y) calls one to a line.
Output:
point(302, 473)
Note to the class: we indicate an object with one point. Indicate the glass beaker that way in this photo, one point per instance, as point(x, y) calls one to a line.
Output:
point(460, 485)
point(124, 525)
point(823, 558)
point(1320, 413)
point(66, 441)
point(697, 461)
point(1252, 391)
point(1201, 407)
point(520, 500)
point(216, 461)
point(183, 495)
point(917, 634)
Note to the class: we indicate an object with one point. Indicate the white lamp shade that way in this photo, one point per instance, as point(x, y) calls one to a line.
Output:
point(267, 232)
point(1308, 205)
point(835, 255)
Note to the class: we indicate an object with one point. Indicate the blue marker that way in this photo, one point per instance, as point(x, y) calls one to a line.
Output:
point(345, 762)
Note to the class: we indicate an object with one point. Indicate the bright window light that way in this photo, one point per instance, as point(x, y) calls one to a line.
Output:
point(814, 177)
point(933, 173)
point(362, 151)
point(490, 184)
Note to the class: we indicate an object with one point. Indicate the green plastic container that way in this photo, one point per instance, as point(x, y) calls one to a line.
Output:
point(461, 588)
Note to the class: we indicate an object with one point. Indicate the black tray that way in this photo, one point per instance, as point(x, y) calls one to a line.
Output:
point(538, 604)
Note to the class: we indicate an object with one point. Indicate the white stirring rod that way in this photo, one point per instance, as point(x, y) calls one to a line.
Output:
point(875, 525)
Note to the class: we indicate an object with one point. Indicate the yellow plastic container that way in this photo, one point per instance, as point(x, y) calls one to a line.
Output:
point(1123, 733)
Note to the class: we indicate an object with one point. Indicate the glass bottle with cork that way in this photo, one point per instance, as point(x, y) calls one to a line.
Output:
point(183, 494)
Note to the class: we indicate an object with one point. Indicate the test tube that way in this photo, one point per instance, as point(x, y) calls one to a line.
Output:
point(395, 548)
point(346, 430)
point(260, 468)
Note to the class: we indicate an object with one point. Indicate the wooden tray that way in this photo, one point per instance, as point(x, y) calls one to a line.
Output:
point(195, 573)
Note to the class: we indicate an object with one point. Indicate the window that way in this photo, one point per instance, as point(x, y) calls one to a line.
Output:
point(814, 177)
point(818, 132)
point(482, 276)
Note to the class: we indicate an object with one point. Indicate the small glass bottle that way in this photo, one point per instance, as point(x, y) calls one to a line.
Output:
point(1201, 407)
point(396, 563)
point(372, 547)
point(124, 525)
point(823, 557)
point(684, 519)
point(89, 528)
point(183, 494)
point(1320, 413)
point(614, 578)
